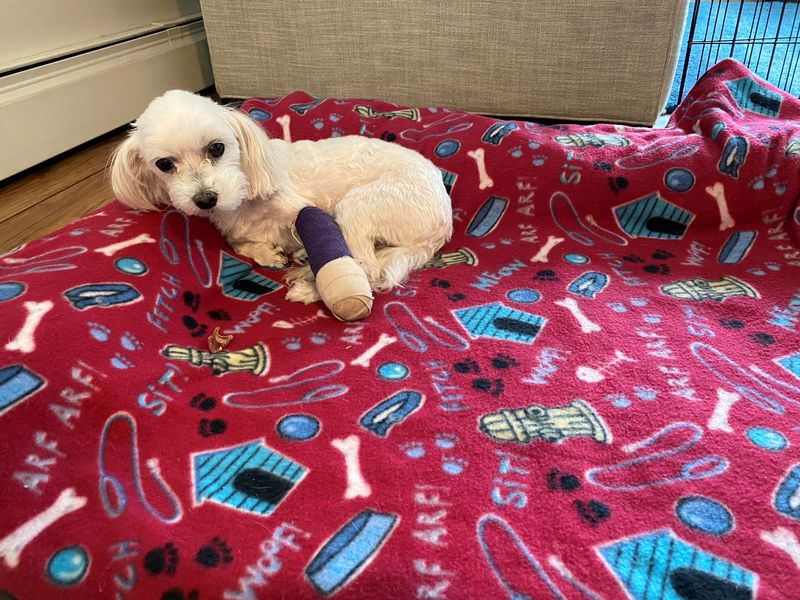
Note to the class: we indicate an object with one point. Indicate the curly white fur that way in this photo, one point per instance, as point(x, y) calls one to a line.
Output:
point(389, 201)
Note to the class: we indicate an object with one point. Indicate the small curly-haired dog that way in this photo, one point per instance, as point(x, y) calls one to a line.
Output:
point(188, 152)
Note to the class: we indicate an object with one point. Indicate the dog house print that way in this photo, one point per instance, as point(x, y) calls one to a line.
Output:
point(653, 217)
point(661, 565)
point(250, 477)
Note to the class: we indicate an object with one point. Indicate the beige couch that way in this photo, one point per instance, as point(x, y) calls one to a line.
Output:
point(599, 60)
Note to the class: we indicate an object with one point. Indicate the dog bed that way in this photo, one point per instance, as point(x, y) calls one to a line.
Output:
point(592, 391)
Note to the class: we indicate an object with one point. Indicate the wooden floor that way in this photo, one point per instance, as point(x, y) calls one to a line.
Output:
point(57, 192)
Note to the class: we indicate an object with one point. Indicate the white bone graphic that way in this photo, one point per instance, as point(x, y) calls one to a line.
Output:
point(24, 340)
point(13, 544)
point(113, 248)
point(478, 156)
point(719, 418)
point(383, 341)
point(786, 540)
point(541, 255)
point(587, 326)
point(589, 374)
point(284, 121)
point(717, 191)
point(357, 486)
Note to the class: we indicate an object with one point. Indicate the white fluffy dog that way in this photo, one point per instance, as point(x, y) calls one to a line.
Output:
point(205, 159)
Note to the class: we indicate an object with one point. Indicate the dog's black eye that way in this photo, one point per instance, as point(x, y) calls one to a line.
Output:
point(216, 149)
point(164, 164)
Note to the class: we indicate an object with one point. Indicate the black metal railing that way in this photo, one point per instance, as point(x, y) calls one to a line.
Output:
point(765, 36)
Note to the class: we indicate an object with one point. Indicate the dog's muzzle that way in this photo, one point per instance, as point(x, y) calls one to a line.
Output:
point(205, 200)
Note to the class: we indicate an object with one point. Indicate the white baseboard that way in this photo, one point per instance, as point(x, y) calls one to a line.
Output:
point(51, 108)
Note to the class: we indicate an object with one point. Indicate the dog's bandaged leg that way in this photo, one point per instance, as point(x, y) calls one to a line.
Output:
point(341, 283)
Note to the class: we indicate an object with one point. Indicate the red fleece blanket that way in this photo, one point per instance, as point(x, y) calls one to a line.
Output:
point(592, 392)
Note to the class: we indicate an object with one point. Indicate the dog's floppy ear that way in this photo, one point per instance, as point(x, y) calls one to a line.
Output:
point(132, 181)
point(257, 162)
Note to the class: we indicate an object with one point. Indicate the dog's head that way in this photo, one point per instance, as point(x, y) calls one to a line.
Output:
point(189, 152)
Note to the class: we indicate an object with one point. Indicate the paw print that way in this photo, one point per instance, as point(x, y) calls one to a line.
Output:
point(191, 300)
point(130, 342)
point(413, 450)
point(731, 323)
point(780, 187)
point(545, 275)
point(567, 482)
point(645, 393)
point(334, 117)
point(292, 343)
point(196, 329)
point(656, 269)
point(504, 361)
point(445, 441)
point(219, 315)
point(319, 338)
point(177, 594)
point(318, 123)
point(662, 255)
point(118, 361)
point(762, 338)
point(213, 427)
point(515, 152)
point(99, 332)
point(599, 165)
point(213, 554)
point(163, 559)
point(494, 387)
point(203, 402)
point(534, 145)
point(618, 400)
point(592, 512)
point(337, 132)
point(127, 341)
point(445, 285)
point(632, 258)
point(453, 465)
point(771, 266)
point(538, 160)
point(467, 366)
point(757, 183)
point(617, 184)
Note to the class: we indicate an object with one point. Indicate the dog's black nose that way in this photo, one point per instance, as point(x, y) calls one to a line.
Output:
point(207, 199)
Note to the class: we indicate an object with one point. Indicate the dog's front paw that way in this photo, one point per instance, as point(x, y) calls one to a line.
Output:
point(300, 257)
point(270, 256)
point(303, 291)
